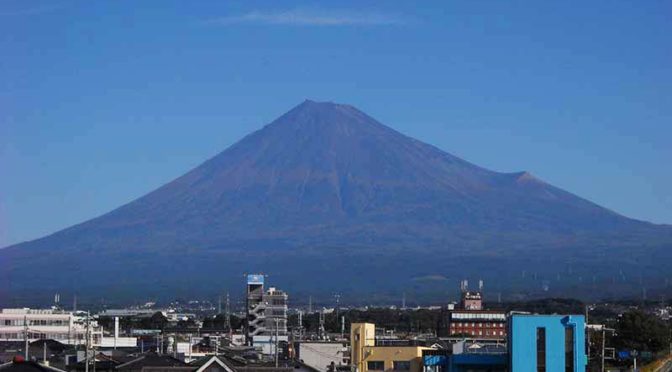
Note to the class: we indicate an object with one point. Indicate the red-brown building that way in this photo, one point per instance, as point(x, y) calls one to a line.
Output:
point(477, 323)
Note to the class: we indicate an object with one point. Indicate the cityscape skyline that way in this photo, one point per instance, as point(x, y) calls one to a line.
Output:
point(352, 186)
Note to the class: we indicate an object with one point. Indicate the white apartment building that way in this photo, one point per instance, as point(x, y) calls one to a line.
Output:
point(62, 326)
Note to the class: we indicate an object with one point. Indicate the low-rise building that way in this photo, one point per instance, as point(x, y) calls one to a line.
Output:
point(40, 324)
point(551, 343)
point(548, 343)
point(472, 320)
point(366, 355)
point(477, 323)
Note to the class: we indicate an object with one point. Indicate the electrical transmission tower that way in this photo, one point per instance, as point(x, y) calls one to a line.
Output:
point(227, 314)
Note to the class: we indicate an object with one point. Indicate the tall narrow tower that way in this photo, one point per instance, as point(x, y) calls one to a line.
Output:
point(227, 312)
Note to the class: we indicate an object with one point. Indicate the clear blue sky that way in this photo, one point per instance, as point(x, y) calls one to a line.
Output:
point(103, 101)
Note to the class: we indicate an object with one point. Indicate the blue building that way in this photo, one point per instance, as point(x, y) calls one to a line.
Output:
point(547, 343)
point(445, 361)
point(536, 343)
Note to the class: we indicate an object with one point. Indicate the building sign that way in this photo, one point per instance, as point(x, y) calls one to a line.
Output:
point(255, 279)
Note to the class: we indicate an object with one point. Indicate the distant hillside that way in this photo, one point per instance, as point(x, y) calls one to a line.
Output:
point(326, 198)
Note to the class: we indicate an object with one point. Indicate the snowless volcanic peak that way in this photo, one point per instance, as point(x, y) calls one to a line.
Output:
point(327, 190)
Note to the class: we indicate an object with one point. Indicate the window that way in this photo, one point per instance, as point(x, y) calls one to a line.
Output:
point(541, 349)
point(569, 349)
point(376, 365)
point(402, 365)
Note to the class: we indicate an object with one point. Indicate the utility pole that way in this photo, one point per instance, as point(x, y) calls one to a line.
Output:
point(25, 335)
point(70, 320)
point(276, 342)
point(190, 348)
point(44, 353)
point(228, 312)
point(321, 331)
point(86, 345)
point(603, 337)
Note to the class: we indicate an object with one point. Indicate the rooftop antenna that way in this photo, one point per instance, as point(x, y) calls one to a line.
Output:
point(480, 285)
point(464, 285)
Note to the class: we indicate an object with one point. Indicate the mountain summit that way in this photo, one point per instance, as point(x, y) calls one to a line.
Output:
point(326, 190)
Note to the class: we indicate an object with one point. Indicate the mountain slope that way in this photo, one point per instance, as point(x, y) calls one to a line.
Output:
point(325, 182)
